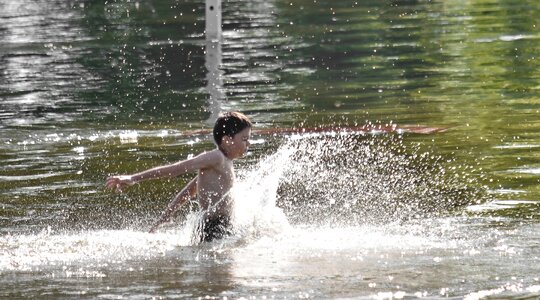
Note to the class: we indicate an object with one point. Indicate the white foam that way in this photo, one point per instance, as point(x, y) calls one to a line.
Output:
point(29, 252)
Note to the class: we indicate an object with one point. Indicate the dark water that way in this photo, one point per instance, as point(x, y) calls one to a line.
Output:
point(92, 88)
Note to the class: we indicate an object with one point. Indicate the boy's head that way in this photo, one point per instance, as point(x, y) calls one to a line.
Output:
point(229, 124)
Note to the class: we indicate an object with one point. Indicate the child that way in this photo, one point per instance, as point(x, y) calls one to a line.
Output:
point(215, 177)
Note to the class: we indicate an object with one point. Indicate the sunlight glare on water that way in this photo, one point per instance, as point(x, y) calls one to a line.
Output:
point(48, 249)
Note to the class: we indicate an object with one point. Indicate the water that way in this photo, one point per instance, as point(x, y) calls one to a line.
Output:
point(91, 88)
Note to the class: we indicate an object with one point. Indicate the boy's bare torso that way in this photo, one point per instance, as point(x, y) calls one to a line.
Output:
point(215, 177)
point(214, 184)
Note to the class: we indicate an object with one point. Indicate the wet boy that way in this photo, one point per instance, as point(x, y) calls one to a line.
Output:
point(214, 180)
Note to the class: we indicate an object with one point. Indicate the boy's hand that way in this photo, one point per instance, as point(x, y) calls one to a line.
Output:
point(117, 183)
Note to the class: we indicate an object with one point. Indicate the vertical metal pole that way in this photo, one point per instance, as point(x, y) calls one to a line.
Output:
point(213, 20)
point(214, 85)
point(214, 80)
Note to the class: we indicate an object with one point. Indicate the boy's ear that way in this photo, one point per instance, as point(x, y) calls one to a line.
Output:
point(226, 139)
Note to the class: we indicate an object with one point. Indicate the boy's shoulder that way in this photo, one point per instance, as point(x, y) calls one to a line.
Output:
point(213, 156)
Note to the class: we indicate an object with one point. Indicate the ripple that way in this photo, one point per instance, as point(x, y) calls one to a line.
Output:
point(500, 204)
point(517, 146)
point(29, 177)
point(535, 171)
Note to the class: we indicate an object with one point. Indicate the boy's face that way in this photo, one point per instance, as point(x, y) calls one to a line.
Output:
point(237, 145)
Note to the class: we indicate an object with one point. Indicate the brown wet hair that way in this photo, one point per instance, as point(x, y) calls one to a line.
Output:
point(229, 124)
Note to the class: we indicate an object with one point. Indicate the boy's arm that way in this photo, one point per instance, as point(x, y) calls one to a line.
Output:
point(190, 190)
point(201, 161)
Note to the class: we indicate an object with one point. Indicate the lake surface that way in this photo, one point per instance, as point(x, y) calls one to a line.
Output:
point(93, 88)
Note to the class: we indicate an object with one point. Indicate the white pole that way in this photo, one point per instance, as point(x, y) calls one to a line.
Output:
point(214, 85)
point(213, 58)
point(213, 20)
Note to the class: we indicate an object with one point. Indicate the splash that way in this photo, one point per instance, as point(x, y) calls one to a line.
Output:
point(347, 179)
point(255, 210)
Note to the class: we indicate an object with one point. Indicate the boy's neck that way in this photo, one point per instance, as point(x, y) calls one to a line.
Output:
point(224, 152)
